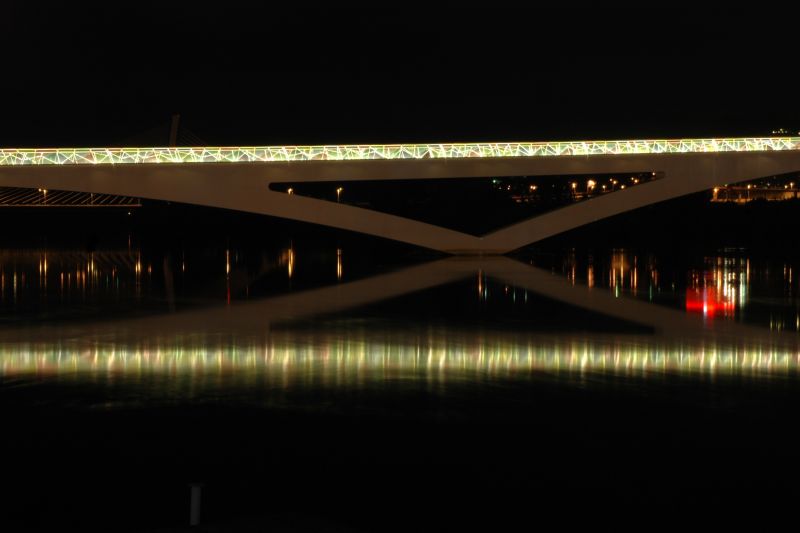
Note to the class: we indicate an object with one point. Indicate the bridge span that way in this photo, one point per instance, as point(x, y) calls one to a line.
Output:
point(239, 178)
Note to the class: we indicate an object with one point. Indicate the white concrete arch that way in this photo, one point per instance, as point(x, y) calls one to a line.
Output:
point(245, 185)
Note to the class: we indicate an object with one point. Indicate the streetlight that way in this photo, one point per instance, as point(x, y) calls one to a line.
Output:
point(339, 193)
point(589, 186)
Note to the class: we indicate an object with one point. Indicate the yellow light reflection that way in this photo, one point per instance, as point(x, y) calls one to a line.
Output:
point(285, 357)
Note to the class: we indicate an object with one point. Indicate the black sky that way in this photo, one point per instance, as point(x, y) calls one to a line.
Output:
point(240, 75)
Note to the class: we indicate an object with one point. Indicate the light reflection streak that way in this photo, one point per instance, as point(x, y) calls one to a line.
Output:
point(354, 358)
point(719, 289)
point(289, 258)
point(249, 343)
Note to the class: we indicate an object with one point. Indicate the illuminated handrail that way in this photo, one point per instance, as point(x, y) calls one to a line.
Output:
point(263, 154)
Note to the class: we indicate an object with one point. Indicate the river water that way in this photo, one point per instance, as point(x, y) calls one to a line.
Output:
point(309, 385)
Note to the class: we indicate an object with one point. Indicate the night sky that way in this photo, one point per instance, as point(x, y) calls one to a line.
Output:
point(239, 75)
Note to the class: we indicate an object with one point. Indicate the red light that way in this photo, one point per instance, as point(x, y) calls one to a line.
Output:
point(709, 302)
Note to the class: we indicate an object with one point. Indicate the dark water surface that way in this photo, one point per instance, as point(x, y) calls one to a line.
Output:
point(311, 384)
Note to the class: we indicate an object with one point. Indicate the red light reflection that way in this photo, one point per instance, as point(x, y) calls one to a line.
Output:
point(709, 301)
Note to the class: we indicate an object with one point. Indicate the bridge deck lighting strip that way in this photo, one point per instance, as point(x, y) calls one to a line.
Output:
point(257, 154)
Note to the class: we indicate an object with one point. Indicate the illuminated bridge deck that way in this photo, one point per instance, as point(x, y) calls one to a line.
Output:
point(22, 197)
point(252, 154)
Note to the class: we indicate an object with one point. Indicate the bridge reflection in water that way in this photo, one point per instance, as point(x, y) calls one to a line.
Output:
point(284, 358)
point(268, 341)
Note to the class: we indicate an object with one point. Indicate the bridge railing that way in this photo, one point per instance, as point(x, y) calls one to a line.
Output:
point(255, 154)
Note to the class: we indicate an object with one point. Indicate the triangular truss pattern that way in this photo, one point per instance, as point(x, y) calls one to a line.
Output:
point(255, 154)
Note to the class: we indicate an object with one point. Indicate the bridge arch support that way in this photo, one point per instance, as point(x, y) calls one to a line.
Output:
point(245, 186)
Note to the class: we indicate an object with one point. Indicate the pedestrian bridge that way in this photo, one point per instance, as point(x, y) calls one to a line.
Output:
point(239, 178)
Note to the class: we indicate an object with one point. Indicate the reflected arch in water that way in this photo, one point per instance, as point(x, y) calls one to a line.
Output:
point(257, 340)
